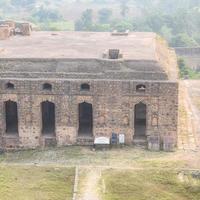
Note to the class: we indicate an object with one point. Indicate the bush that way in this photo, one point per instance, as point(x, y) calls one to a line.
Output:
point(122, 26)
point(183, 40)
point(104, 15)
point(186, 72)
point(44, 14)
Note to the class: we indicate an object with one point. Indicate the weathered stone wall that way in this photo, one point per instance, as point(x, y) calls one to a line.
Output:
point(81, 69)
point(113, 108)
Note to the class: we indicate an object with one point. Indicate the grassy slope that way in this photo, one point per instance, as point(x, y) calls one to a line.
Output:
point(31, 183)
point(148, 184)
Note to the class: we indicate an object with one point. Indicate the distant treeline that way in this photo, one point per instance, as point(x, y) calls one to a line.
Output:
point(178, 21)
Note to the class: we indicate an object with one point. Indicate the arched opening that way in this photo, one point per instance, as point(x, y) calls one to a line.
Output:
point(11, 117)
point(48, 118)
point(85, 119)
point(47, 86)
point(113, 53)
point(10, 86)
point(140, 120)
point(141, 88)
point(85, 87)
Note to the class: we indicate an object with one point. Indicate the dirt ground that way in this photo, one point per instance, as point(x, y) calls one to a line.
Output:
point(189, 115)
point(92, 164)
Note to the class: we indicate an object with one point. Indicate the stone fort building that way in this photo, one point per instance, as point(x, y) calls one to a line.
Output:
point(66, 88)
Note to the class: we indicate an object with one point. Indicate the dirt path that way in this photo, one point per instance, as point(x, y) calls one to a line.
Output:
point(193, 91)
point(90, 190)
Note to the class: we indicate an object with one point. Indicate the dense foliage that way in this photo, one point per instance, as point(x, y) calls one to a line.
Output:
point(177, 21)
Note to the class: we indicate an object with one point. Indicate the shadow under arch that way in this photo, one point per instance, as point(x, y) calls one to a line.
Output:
point(85, 111)
point(140, 119)
point(11, 116)
point(48, 118)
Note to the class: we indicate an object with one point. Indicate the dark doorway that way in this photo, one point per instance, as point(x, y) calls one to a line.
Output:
point(85, 119)
point(85, 87)
point(140, 120)
point(48, 118)
point(11, 117)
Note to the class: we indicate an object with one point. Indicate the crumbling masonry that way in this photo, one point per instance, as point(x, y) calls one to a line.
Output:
point(67, 88)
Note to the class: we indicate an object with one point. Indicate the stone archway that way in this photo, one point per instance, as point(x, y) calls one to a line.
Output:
point(11, 116)
point(48, 118)
point(85, 119)
point(140, 120)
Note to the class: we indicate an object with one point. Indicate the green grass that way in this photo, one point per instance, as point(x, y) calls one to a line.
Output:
point(35, 183)
point(143, 176)
point(57, 26)
point(149, 184)
point(72, 156)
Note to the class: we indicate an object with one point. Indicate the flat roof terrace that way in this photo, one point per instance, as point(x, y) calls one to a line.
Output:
point(134, 46)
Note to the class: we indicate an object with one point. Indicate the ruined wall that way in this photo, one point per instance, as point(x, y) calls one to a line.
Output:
point(167, 57)
point(191, 56)
point(113, 109)
point(10, 28)
point(4, 32)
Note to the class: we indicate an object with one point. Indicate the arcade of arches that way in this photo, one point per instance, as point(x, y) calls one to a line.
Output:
point(85, 113)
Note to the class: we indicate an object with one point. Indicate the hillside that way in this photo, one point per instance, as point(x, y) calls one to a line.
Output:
point(179, 23)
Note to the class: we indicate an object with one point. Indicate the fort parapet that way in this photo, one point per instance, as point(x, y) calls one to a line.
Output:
point(190, 55)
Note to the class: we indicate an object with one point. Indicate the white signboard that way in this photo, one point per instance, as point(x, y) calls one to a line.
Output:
point(102, 140)
point(121, 138)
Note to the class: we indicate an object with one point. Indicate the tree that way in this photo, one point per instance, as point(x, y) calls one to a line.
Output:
point(124, 7)
point(155, 21)
point(104, 15)
point(184, 70)
point(183, 40)
point(122, 26)
point(166, 32)
point(44, 14)
point(85, 22)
